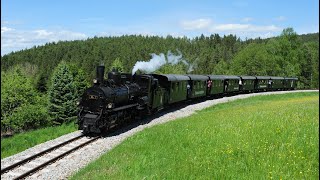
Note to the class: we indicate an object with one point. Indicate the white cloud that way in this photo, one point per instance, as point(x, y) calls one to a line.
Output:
point(281, 18)
point(196, 24)
point(267, 35)
point(206, 26)
point(5, 29)
point(243, 28)
point(13, 40)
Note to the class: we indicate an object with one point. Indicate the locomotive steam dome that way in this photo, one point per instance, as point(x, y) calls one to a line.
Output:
point(115, 76)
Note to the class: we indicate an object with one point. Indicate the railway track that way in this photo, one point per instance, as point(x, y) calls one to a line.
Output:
point(32, 164)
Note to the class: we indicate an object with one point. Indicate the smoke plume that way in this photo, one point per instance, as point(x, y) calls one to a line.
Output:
point(159, 60)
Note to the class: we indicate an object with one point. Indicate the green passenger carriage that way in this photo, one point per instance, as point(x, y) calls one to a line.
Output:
point(174, 85)
point(276, 83)
point(247, 83)
point(217, 85)
point(231, 84)
point(262, 83)
point(197, 86)
point(290, 83)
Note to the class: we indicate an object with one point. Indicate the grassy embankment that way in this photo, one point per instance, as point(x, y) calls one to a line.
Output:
point(261, 137)
point(23, 141)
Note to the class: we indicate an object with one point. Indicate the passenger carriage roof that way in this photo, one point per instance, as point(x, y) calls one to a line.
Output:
point(198, 77)
point(247, 77)
point(232, 77)
point(216, 77)
point(291, 78)
point(272, 77)
point(263, 77)
point(223, 77)
point(172, 77)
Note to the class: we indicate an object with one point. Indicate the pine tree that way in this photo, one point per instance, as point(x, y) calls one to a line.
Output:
point(62, 95)
point(79, 79)
point(117, 64)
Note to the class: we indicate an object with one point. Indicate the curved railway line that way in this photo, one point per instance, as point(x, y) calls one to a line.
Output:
point(33, 163)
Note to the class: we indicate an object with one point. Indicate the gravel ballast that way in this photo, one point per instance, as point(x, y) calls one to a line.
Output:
point(70, 164)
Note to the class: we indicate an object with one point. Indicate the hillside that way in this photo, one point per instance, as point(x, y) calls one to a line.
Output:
point(207, 54)
point(312, 37)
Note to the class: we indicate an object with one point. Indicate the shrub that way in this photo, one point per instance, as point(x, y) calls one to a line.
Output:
point(16, 90)
point(26, 117)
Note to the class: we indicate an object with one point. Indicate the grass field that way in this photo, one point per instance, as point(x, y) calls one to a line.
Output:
point(263, 137)
point(23, 141)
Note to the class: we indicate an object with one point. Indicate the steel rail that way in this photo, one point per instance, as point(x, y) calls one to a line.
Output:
point(38, 154)
point(54, 159)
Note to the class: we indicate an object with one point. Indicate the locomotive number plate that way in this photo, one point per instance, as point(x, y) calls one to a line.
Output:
point(93, 97)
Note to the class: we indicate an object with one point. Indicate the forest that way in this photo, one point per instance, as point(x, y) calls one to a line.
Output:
point(40, 86)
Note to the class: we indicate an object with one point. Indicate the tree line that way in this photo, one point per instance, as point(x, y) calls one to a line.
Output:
point(44, 80)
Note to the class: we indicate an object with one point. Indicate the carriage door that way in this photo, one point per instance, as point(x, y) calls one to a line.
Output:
point(226, 84)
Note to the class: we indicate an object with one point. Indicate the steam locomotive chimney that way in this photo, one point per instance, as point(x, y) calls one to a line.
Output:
point(100, 73)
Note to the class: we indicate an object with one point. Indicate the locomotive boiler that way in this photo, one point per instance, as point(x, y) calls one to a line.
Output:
point(112, 101)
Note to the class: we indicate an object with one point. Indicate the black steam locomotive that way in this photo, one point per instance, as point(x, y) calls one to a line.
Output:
point(124, 97)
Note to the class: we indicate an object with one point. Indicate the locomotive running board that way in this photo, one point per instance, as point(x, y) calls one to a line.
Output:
point(125, 107)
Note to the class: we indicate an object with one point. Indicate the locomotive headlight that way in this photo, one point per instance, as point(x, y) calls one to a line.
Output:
point(110, 105)
point(95, 81)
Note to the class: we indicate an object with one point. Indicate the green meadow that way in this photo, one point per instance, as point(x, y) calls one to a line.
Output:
point(263, 137)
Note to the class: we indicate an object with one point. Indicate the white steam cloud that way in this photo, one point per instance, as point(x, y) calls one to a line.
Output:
point(159, 60)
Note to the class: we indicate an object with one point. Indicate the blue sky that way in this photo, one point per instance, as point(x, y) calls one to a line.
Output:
point(35, 22)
